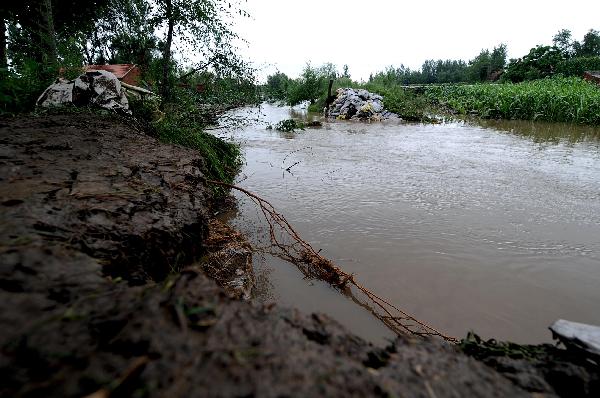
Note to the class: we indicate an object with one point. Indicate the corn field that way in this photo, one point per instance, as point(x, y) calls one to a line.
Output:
point(558, 99)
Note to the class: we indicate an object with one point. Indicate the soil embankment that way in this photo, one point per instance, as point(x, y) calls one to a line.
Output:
point(105, 251)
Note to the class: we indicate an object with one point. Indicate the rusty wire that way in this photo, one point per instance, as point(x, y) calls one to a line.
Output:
point(313, 265)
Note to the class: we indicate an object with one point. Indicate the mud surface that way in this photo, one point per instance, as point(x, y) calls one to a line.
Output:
point(104, 246)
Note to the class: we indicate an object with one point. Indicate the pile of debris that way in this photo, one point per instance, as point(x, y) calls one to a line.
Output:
point(359, 104)
point(94, 87)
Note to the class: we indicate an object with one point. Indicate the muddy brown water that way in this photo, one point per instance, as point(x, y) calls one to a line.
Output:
point(492, 227)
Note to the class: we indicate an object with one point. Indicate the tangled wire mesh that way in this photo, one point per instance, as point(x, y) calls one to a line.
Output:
point(290, 246)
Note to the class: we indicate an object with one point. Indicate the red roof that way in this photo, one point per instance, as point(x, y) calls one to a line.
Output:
point(119, 70)
point(593, 76)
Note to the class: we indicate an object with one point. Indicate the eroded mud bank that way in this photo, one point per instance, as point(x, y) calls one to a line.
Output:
point(105, 286)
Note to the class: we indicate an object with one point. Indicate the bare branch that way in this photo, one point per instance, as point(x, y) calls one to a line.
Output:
point(313, 265)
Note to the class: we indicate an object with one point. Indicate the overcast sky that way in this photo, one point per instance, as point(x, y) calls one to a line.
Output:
point(370, 35)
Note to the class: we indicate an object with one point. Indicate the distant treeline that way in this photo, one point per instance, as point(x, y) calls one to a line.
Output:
point(488, 65)
point(565, 57)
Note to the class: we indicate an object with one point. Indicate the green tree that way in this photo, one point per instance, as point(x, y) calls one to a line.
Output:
point(451, 71)
point(3, 58)
point(487, 65)
point(202, 27)
point(42, 30)
point(429, 71)
point(541, 62)
point(345, 71)
point(590, 46)
point(327, 71)
point(277, 86)
point(31, 31)
point(124, 35)
point(564, 42)
point(312, 84)
point(40, 37)
point(480, 67)
point(498, 58)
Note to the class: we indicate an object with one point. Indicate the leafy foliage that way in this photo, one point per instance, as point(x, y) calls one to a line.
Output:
point(287, 125)
point(18, 92)
point(311, 85)
point(485, 66)
point(183, 123)
point(277, 86)
point(563, 42)
point(475, 346)
point(406, 104)
point(541, 62)
point(566, 56)
point(200, 27)
point(43, 38)
point(124, 34)
point(590, 46)
point(556, 100)
point(576, 66)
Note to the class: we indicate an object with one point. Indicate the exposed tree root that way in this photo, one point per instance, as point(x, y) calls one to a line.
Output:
point(313, 265)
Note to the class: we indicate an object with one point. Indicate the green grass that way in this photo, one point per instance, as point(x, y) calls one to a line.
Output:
point(222, 158)
point(475, 346)
point(183, 123)
point(558, 99)
point(408, 105)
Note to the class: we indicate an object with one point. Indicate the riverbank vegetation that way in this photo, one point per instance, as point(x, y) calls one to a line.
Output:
point(545, 84)
point(312, 87)
point(43, 39)
point(558, 99)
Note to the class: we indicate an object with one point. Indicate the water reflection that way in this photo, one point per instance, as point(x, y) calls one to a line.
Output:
point(542, 132)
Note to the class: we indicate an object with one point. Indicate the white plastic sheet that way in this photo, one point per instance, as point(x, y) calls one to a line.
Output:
point(95, 87)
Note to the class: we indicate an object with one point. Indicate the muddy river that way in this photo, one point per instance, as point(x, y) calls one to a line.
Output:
point(490, 227)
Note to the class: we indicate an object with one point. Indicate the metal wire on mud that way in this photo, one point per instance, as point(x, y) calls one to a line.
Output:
point(313, 265)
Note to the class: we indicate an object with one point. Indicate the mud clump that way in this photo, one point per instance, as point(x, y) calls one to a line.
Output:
point(89, 184)
point(229, 260)
point(105, 257)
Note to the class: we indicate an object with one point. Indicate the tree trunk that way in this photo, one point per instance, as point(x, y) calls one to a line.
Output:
point(3, 59)
point(46, 33)
point(330, 98)
point(165, 90)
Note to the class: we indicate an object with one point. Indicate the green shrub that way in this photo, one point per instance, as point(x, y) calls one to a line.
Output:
point(311, 86)
point(576, 66)
point(287, 126)
point(222, 158)
point(277, 86)
point(20, 91)
point(406, 104)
